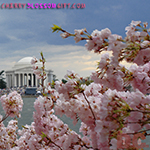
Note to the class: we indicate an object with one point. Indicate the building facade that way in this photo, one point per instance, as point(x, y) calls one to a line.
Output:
point(22, 74)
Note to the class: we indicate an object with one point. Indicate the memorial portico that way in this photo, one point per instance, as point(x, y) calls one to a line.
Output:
point(22, 74)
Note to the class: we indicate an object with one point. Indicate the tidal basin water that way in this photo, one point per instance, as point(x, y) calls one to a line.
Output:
point(27, 113)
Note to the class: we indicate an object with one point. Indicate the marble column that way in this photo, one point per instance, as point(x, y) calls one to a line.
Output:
point(27, 80)
point(36, 81)
point(18, 79)
point(13, 83)
point(32, 80)
point(23, 80)
point(15, 80)
point(10, 80)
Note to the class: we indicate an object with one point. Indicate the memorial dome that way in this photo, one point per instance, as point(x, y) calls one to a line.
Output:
point(25, 62)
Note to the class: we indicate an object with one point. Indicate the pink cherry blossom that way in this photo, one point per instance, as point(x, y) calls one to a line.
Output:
point(12, 104)
point(34, 60)
point(105, 107)
point(135, 23)
point(141, 78)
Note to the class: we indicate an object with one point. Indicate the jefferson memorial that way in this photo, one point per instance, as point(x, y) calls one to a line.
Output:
point(22, 74)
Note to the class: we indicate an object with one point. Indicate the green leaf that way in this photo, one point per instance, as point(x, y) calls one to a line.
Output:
point(24, 127)
point(41, 54)
point(43, 135)
point(55, 28)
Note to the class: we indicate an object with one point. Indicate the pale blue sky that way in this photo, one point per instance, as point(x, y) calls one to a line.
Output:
point(26, 32)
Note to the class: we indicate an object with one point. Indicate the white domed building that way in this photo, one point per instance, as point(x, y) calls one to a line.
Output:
point(22, 74)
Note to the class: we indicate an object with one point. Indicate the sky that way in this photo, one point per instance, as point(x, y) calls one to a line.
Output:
point(25, 32)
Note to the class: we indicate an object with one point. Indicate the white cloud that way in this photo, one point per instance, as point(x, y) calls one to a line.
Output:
point(59, 59)
point(13, 38)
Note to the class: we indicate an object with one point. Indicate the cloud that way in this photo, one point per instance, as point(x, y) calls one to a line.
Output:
point(59, 59)
point(109, 8)
point(8, 62)
point(26, 32)
point(13, 38)
point(89, 68)
point(75, 59)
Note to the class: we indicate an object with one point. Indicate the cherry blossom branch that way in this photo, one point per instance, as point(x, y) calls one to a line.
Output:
point(50, 141)
point(141, 111)
point(89, 106)
point(140, 132)
point(84, 145)
point(5, 117)
point(77, 34)
point(43, 72)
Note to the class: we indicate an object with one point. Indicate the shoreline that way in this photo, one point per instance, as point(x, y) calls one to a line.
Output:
point(29, 96)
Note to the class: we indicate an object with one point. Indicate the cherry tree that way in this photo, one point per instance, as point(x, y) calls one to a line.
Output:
point(110, 114)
